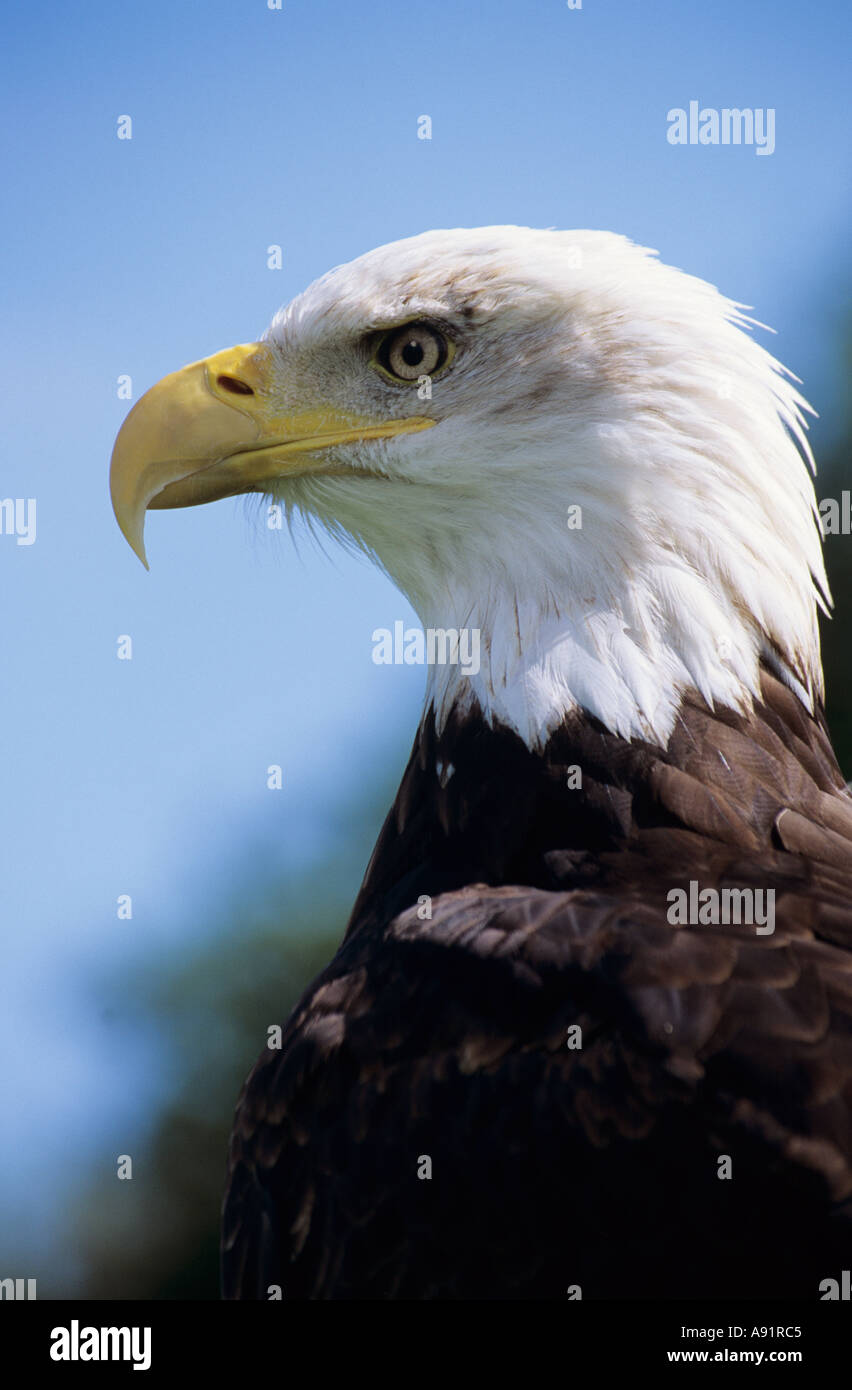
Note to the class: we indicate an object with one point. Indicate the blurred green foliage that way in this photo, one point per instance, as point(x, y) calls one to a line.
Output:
point(834, 475)
point(157, 1236)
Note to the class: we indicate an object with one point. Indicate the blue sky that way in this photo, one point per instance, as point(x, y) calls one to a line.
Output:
point(295, 127)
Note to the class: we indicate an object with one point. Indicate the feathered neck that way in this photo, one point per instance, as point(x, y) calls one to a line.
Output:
point(617, 499)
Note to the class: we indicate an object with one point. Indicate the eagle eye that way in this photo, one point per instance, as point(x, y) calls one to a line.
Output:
point(412, 351)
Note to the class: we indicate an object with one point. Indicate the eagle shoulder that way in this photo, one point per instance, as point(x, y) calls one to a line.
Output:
point(435, 1125)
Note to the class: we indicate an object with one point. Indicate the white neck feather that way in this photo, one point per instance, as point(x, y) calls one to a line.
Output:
point(676, 435)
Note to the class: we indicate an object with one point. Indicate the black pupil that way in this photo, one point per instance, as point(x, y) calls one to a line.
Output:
point(412, 353)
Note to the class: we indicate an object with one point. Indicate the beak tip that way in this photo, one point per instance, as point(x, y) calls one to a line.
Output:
point(134, 534)
point(138, 548)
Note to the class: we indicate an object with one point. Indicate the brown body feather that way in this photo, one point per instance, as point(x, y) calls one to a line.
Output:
point(446, 1035)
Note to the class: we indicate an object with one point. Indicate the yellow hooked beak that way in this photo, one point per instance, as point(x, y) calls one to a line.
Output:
point(212, 430)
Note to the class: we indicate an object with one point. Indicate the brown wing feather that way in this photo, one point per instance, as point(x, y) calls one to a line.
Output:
point(445, 1037)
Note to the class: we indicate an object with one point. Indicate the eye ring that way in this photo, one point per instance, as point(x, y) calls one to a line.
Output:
point(411, 351)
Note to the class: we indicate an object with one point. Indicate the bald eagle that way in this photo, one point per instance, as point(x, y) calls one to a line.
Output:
point(587, 1033)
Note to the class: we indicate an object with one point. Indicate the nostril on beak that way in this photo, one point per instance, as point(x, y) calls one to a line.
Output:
point(233, 384)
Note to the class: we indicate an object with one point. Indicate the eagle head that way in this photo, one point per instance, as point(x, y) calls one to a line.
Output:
point(548, 437)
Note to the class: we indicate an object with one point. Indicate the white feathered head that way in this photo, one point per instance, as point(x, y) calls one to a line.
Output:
point(548, 437)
